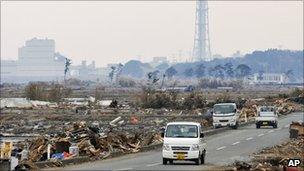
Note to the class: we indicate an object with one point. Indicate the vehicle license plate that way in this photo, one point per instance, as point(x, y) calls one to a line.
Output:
point(265, 123)
point(180, 156)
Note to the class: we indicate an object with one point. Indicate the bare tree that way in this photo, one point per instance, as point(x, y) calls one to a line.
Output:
point(112, 72)
point(66, 67)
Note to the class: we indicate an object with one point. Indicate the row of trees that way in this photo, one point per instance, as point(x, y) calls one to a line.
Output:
point(218, 71)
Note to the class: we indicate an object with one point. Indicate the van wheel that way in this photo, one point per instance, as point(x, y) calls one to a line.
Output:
point(164, 161)
point(171, 161)
point(197, 161)
point(258, 126)
point(235, 126)
point(275, 125)
point(203, 158)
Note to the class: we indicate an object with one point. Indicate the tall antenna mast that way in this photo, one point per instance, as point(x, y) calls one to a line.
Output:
point(201, 49)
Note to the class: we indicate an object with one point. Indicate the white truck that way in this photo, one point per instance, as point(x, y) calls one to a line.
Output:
point(267, 116)
point(225, 114)
point(184, 141)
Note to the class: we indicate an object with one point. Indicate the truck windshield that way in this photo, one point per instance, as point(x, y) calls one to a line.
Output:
point(182, 131)
point(223, 109)
point(267, 111)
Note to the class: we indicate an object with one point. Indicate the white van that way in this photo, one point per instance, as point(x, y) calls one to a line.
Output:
point(225, 114)
point(184, 141)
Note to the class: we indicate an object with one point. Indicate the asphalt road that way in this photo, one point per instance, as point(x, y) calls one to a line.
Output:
point(222, 149)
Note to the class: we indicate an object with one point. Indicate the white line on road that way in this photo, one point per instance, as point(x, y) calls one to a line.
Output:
point(153, 164)
point(235, 143)
point(250, 138)
point(260, 135)
point(220, 148)
point(128, 168)
point(270, 131)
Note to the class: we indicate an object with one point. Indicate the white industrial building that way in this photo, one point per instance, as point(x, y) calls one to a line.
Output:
point(37, 60)
point(269, 78)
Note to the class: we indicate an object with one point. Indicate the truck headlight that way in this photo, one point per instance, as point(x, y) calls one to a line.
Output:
point(166, 147)
point(195, 147)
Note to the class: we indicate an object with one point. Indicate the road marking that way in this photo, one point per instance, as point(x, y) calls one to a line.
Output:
point(153, 164)
point(270, 131)
point(260, 135)
point(220, 148)
point(128, 168)
point(250, 138)
point(235, 143)
point(286, 126)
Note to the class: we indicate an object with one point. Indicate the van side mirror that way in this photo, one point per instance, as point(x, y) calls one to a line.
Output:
point(202, 135)
point(162, 134)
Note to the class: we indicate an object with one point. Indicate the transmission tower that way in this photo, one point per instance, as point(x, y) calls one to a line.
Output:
point(201, 49)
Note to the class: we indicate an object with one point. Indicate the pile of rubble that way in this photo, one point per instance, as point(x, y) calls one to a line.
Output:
point(249, 110)
point(284, 106)
point(95, 142)
point(276, 158)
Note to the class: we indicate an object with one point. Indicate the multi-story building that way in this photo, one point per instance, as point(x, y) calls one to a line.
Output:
point(37, 61)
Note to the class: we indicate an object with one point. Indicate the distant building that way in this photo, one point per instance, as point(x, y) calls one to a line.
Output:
point(237, 54)
point(158, 60)
point(84, 71)
point(103, 73)
point(37, 61)
point(217, 56)
point(268, 78)
point(8, 68)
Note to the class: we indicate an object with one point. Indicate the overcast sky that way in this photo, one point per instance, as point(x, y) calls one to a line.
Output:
point(109, 32)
